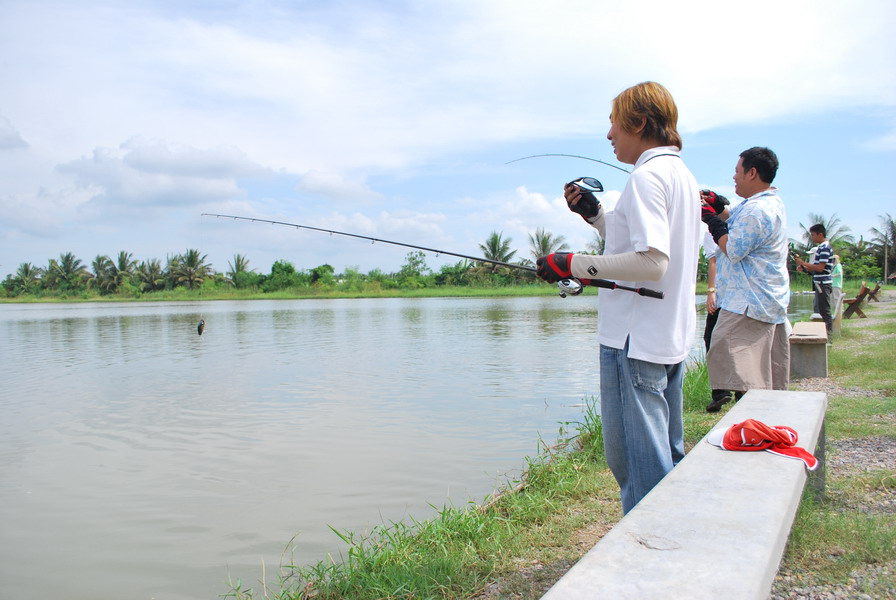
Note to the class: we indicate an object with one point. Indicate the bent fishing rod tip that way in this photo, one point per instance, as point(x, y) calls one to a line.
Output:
point(572, 287)
point(569, 156)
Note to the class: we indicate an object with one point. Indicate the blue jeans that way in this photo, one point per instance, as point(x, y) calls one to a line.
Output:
point(640, 407)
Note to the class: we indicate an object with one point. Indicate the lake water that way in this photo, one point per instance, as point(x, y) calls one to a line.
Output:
point(140, 460)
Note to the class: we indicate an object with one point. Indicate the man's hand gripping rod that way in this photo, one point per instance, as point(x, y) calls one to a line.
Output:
point(568, 287)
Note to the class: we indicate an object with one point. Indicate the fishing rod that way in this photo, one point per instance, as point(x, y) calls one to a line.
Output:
point(570, 286)
point(571, 156)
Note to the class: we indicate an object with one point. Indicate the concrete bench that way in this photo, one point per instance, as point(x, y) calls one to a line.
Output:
point(808, 350)
point(716, 526)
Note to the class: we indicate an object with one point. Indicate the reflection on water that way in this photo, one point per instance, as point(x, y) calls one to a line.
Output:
point(140, 460)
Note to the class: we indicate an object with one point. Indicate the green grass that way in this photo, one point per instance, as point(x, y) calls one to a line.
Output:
point(831, 539)
point(367, 290)
point(303, 293)
point(833, 536)
point(696, 391)
point(863, 357)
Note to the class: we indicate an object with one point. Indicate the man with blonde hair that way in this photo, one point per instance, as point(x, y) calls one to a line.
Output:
point(652, 238)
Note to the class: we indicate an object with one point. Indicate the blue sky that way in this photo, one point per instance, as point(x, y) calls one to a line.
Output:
point(122, 122)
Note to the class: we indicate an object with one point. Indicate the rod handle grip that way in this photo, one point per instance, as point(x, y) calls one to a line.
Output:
point(651, 293)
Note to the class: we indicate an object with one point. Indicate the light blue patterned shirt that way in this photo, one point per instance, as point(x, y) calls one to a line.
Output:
point(752, 277)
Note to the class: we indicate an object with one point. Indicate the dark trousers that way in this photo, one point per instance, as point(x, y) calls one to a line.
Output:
point(823, 293)
point(711, 319)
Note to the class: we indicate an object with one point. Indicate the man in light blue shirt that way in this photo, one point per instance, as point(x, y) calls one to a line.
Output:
point(749, 348)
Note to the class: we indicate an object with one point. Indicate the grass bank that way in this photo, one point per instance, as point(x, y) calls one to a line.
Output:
point(182, 294)
point(516, 544)
point(218, 292)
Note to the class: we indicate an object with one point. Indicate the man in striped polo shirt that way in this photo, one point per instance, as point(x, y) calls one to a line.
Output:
point(820, 268)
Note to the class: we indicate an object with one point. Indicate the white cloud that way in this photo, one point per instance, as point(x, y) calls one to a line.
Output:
point(387, 89)
point(10, 139)
point(140, 175)
point(336, 186)
point(156, 156)
point(520, 215)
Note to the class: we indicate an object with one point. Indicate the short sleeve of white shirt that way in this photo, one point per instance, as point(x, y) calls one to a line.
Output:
point(648, 226)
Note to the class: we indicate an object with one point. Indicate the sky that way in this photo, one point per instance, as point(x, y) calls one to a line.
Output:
point(122, 122)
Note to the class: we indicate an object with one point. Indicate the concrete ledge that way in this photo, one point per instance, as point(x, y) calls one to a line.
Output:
point(808, 350)
point(716, 526)
point(810, 332)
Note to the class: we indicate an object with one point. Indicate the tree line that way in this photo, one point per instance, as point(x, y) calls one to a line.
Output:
point(68, 276)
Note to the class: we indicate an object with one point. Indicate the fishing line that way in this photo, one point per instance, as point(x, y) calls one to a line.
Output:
point(570, 286)
point(570, 156)
point(200, 327)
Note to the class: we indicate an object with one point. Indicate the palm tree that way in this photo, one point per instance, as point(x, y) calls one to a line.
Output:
point(836, 231)
point(239, 266)
point(68, 274)
point(597, 244)
point(543, 243)
point(150, 275)
point(884, 241)
point(497, 248)
point(27, 279)
point(189, 269)
point(102, 278)
point(123, 269)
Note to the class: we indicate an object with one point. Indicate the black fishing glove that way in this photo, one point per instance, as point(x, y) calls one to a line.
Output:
point(588, 205)
point(554, 267)
point(716, 201)
point(707, 212)
point(710, 207)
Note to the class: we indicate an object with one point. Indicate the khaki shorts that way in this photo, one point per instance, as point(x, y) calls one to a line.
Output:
point(747, 354)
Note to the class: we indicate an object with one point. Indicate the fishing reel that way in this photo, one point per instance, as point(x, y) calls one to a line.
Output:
point(570, 287)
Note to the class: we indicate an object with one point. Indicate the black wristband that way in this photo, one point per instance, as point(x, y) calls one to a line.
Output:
point(717, 228)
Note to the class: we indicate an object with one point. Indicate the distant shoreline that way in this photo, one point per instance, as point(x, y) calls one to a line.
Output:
point(184, 295)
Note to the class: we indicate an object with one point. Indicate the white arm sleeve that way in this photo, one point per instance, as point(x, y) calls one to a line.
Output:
point(629, 266)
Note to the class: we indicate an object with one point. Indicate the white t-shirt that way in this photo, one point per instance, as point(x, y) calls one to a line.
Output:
point(659, 208)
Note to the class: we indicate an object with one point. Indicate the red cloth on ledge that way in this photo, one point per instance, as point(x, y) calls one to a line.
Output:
point(753, 435)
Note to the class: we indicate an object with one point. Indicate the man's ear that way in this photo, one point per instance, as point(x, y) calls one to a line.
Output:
point(640, 129)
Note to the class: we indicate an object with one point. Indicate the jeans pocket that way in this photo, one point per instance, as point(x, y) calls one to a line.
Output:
point(648, 376)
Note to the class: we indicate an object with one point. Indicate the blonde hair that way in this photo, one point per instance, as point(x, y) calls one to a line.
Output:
point(652, 104)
